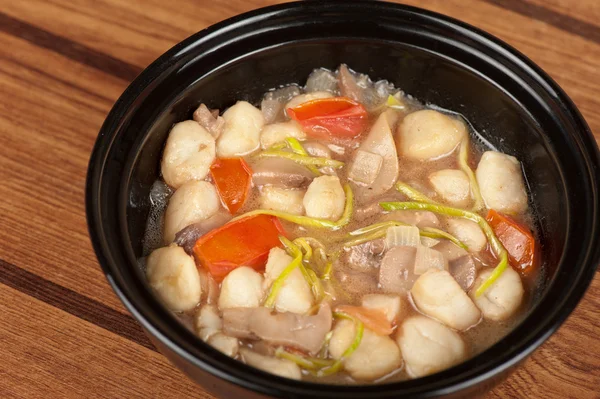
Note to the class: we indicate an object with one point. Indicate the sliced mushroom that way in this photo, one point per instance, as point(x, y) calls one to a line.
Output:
point(429, 134)
point(281, 367)
point(365, 257)
point(464, 270)
point(173, 275)
point(214, 124)
point(502, 299)
point(193, 202)
point(295, 295)
point(241, 135)
point(303, 332)
point(428, 346)
point(188, 154)
point(378, 143)
point(281, 173)
point(396, 273)
point(438, 295)
point(375, 357)
point(501, 182)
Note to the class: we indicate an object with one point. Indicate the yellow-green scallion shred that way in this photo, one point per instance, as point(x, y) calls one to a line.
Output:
point(337, 366)
point(297, 148)
point(301, 159)
point(463, 162)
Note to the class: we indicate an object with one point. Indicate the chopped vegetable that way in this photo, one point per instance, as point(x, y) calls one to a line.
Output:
point(495, 244)
point(336, 118)
point(517, 239)
point(413, 194)
point(301, 159)
point(375, 320)
point(335, 367)
point(463, 162)
point(308, 221)
point(232, 177)
point(297, 148)
point(242, 242)
point(402, 236)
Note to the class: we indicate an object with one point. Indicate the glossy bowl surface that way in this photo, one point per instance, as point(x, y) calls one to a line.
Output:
point(511, 102)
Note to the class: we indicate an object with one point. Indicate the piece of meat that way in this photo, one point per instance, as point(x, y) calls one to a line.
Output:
point(281, 173)
point(303, 332)
point(396, 273)
point(214, 124)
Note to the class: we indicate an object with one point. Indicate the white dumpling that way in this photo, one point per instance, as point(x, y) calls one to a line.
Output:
point(174, 277)
point(390, 305)
point(282, 199)
point(429, 134)
point(241, 288)
point(502, 299)
point(325, 198)
point(428, 346)
point(295, 295)
point(193, 202)
point(501, 182)
point(469, 233)
point(241, 135)
point(303, 98)
point(438, 295)
point(188, 154)
point(224, 343)
point(278, 132)
point(208, 322)
point(280, 367)
point(452, 185)
point(375, 357)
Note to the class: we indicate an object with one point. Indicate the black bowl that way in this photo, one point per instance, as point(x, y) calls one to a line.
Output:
point(511, 101)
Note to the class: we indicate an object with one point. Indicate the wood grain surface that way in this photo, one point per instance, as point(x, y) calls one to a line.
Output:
point(63, 63)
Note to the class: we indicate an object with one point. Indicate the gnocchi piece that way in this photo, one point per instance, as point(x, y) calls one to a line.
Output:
point(438, 295)
point(303, 98)
point(278, 132)
point(501, 182)
point(225, 344)
point(502, 299)
point(241, 134)
point(429, 134)
point(375, 357)
point(281, 367)
point(452, 185)
point(428, 346)
point(390, 305)
point(174, 277)
point(193, 202)
point(295, 295)
point(469, 233)
point(241, 288)
point(188, 154)
point(282, 199)
point(208, 322)
point(325, 198)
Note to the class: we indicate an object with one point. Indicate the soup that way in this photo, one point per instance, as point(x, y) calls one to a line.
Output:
point(340, 232)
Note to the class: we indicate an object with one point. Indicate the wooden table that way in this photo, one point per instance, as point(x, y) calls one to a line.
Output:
point(63, 63)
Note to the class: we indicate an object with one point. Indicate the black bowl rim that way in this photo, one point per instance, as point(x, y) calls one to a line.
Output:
point(250, 378)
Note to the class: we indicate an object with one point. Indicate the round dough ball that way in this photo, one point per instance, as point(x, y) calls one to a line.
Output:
point(174, 277)
point(429, 134)
point(325, 198)
point(502, 299)
point(189, 152)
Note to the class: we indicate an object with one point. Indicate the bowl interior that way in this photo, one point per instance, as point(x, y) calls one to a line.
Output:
point(512, 105)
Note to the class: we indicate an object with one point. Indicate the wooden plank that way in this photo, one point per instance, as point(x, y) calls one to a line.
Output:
point(49, 353)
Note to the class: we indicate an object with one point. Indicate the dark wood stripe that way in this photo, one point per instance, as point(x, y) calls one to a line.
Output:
point(68, 48)
point(73, 303)
point(561, 21)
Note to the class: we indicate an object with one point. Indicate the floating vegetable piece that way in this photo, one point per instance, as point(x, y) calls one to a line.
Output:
point(232, 177)
point(242, 242)
point(517, 239)
point(297, 148)
point(336, 118)
point(301, 159)
point(375, 320)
